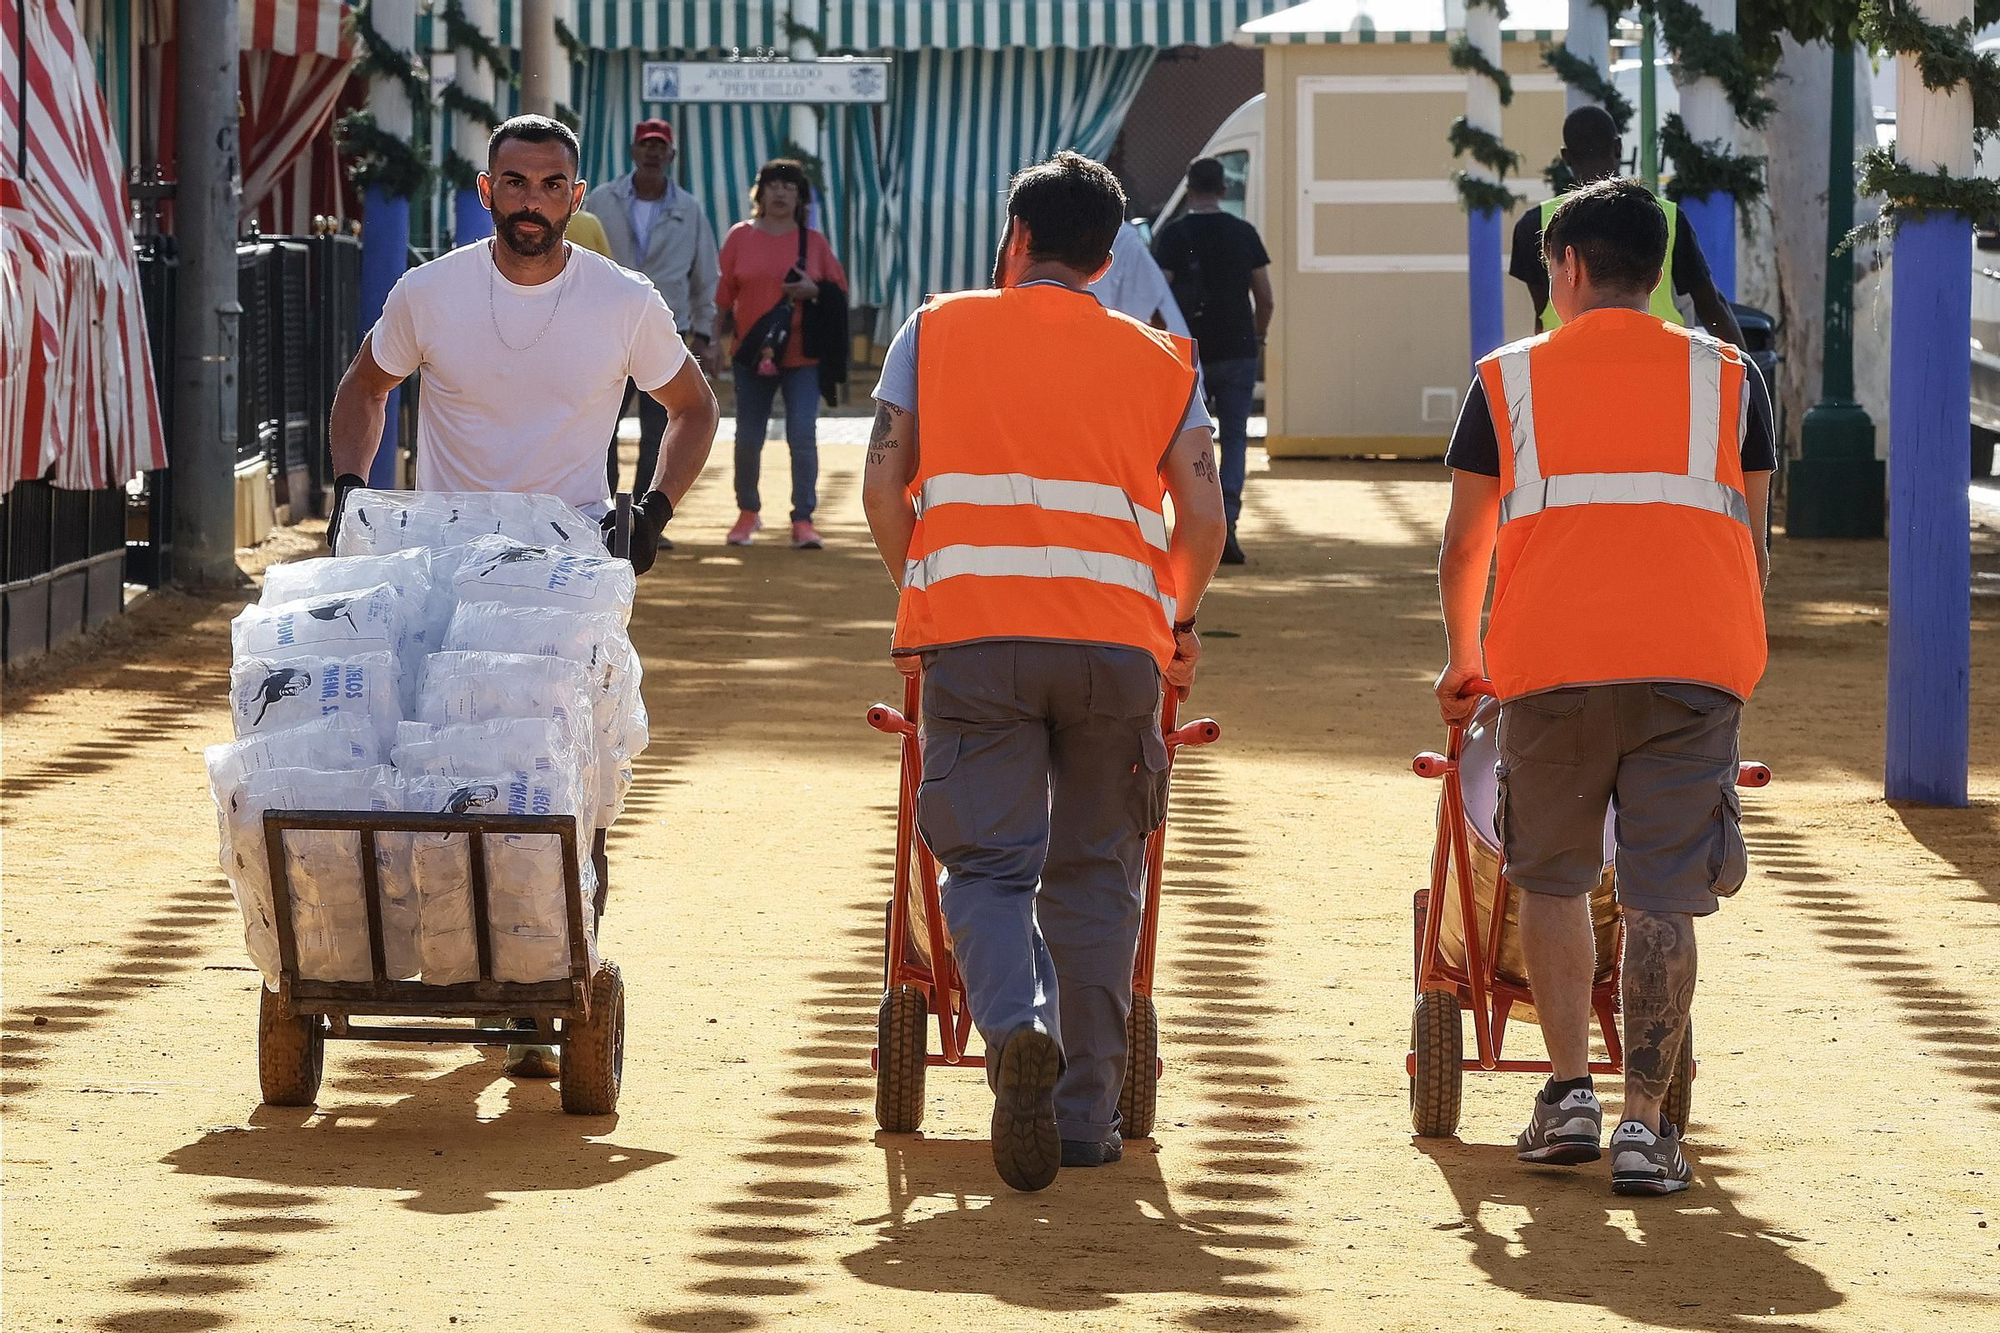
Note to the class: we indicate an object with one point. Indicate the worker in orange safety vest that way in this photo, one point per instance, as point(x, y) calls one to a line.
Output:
point(1025, 440)
point(1623, 464)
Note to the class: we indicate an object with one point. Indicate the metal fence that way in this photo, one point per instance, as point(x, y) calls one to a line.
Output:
point(65, 556)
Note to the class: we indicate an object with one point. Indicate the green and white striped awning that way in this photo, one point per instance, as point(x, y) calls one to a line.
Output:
point(995, 25)
point(1400, 37)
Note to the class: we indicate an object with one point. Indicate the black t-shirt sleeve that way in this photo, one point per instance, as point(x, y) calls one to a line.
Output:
point(1760, 437)
point(1689, 263)
point(1474, 446)
point(1171, 245)
point(1527, 261)
point(1254, 255)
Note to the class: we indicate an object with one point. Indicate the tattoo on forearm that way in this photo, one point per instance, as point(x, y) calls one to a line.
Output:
point(1659, 991)
point(881, 440)
point(1204, 465)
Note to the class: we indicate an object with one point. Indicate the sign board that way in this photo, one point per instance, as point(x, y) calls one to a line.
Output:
point(844, 80)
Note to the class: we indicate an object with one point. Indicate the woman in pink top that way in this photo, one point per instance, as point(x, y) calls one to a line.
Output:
point(760, 268)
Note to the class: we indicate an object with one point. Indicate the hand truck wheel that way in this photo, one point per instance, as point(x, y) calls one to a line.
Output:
point(1680, 1093)
point(291, 1052)
point(1437, 1036)
point(593, 1051)
point(1139, 1099)
point(901, 1059)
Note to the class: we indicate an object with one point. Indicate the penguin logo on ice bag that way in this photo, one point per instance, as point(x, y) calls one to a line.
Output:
point(280, 683)
point(466, 799)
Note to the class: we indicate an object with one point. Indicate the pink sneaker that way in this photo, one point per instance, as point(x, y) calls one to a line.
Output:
point(747, 523)
point(805, 537)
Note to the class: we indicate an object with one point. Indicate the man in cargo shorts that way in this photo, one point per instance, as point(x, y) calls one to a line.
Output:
point(525, 344)
point(1622, 465)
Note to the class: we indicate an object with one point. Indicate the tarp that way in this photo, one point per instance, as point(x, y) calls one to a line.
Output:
point(78, 405)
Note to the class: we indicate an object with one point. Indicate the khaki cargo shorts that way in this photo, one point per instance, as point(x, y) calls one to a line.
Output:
point(1661, 755)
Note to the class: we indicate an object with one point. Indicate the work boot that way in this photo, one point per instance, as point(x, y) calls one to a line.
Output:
point(1232, 554)
point(1643, 1162)
point(805, 537)
point(1089, 1152)
point(747, 524)
point(1027, 1151)
point(1563, 1132)
point(534, 1061)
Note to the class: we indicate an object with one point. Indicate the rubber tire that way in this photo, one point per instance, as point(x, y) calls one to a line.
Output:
point(291, 1053)
point(901, 1060)
point(1679, 1104)
point(1437, 1035)
point(1139, 1099)
point(593, 1051)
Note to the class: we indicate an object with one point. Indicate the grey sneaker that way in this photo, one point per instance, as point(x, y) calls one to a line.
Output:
point(1643, 1162)
point(1564, 1134)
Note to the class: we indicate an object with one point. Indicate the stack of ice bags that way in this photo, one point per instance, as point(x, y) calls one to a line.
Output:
point(458, 654)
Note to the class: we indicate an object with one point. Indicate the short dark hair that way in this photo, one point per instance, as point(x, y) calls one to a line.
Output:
point(1616, 227)
point(1590, 136)
point(533, 129)
point(786, 170)
point(1072, 207)
point(1205, 176)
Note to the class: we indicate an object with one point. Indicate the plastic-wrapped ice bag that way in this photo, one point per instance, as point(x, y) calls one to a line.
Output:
point(500, 569)
point(332, 744)
point(424, 601)
point(270, 695)
point(324, 873)
point(339, 624)
point(593, 640)
point(526, 888)
point(462, 688)
point(529, 744)
point(377, 522)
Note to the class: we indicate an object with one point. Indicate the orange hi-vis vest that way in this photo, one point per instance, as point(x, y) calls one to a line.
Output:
point(1042, 418)
point(1626, 545)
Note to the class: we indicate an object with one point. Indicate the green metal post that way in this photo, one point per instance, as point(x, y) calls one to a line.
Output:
point(1649, 114)
point(1836, 483)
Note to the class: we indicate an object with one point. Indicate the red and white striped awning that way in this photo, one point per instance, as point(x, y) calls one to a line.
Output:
point(77, 400)
point(286, 27)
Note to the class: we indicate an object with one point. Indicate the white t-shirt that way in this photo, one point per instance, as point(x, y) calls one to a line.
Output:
point(644, 212)
point(521, 414)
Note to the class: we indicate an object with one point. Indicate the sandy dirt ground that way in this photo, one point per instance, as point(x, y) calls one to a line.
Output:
point(1848, 1021)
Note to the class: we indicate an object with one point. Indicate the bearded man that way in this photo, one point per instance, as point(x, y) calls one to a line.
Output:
point(525, 342)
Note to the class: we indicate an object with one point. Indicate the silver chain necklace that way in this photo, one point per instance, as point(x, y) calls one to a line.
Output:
point(492, 309)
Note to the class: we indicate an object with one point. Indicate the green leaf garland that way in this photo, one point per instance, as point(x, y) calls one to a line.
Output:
point(464, 35)
point(1586, 78)
point(1466, 56)
point(1945, 59)
point(1702, 169)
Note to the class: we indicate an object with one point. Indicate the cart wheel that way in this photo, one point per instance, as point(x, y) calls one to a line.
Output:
point(1437, 1036)
point(1139, 1100)
point(1680, 1093)
point(901, 1058)
point(291, 1052)
point(593, 1053)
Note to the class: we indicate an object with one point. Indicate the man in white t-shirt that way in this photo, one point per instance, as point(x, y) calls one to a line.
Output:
point(526, 342)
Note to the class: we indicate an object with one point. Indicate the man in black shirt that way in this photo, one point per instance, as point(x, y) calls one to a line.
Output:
point(1221, 278)
point(1593, 150)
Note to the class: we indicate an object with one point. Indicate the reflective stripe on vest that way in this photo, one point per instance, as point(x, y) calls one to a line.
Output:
point(1069, 497)
point(1661, 302)
point(1035, 562)
point(1697, 488)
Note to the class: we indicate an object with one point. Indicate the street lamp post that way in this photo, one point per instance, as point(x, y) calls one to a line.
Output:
point(1836, 483)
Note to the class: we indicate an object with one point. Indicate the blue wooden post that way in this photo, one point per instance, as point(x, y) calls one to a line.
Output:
point(1930, 524)
point(1485, 282)
point(469, 219)
point(1713, 217)
point(385, 245)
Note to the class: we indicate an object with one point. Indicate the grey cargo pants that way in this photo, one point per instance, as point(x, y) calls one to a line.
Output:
point(1044, 770)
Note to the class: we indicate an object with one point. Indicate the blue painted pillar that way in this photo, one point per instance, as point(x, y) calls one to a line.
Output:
point(1930, 523)
point(1486, 283)
point(1713, 217)
point(385, 246)
point(470, 221)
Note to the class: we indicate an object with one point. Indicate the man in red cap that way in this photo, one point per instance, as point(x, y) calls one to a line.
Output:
point(658, 229)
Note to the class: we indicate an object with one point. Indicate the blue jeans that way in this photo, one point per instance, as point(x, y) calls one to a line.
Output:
point(1231, 385)
point(754, 396)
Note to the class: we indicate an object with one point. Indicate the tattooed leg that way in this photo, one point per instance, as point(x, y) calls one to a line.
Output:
point(1659, 991)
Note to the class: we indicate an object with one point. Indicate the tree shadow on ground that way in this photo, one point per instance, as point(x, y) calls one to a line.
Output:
point(1968, 839)
point(1691, 1260)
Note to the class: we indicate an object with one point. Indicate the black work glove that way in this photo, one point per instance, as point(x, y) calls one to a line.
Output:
point(649, 522)
point(342, 484)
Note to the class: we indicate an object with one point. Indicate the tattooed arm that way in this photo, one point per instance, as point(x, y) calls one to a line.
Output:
point(885, 484)
point(1659, 992)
